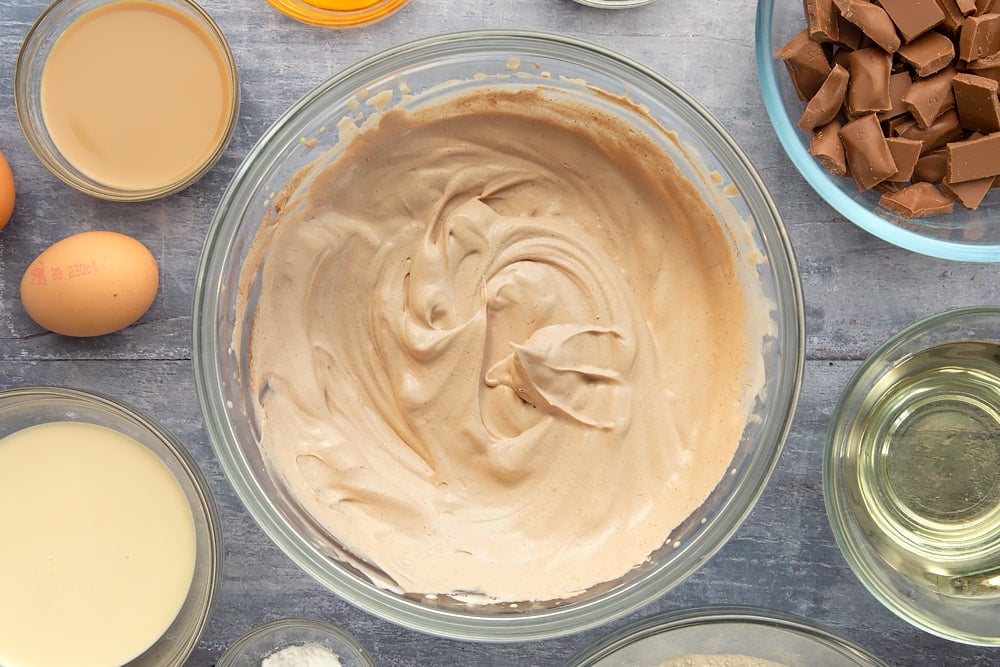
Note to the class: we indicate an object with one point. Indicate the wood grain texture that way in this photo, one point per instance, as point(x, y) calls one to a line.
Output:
point(858, 291)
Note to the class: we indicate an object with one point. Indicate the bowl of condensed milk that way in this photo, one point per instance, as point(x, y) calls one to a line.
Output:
point(126, 100)
point(497, 334)
point(112, 544)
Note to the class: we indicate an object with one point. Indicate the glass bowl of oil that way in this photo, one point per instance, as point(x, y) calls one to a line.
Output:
point(911, 474)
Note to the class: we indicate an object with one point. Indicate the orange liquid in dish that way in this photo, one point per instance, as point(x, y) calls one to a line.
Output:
point(343, 5)
point(98, 547)
point(136, 96)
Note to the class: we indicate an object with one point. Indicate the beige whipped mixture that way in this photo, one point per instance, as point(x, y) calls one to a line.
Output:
point(501, 347)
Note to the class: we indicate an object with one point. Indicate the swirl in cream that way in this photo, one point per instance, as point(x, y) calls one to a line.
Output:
point(500, 347)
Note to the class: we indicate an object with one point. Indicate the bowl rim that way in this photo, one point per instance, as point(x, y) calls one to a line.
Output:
point(172, 446)
point(820, 180)
point(83, 182)
point(308, 13)
point(437, 621)
point(668, 621)
point(841, 518)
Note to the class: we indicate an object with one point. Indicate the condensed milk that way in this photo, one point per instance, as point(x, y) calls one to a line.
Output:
point(99, 546)
point(139, 95)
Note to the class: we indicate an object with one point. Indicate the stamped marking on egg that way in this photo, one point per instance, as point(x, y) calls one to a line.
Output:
point(41, 274)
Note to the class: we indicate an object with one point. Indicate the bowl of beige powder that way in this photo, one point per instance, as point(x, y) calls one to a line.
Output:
point(498, 335)
point(296, 642)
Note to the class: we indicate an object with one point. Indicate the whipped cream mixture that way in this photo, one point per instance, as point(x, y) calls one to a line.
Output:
point(501, 346)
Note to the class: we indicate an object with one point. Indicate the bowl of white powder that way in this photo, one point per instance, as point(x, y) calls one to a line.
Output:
point(296, 642)
point(498, 335)
point(724, 637)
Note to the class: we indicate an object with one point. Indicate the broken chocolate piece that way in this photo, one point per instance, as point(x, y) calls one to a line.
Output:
point(931, 167)
point(973, 159)
point(913, 19)
point(977, 103)
point(868, 88)
point(917, 201)
point(905, 153)
point(953, 17)
point(899, 83)
point(928, 54)
point(928, 98)
point(980, 36)
point(868, 155)
point(988, 66)
point(827, 101)
point(944, 129)
point(806, 63)
point(850, 34)
point(969, 194)
point(984, 6)
point(873, 21)
point(967, 7)
point(827, 148)
point(821, 16)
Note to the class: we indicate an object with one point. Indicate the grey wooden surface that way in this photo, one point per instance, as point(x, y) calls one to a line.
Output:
point(858, 291)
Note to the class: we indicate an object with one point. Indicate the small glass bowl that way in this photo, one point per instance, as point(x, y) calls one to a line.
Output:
point(35, 50)
point(337, 13)
point(961, 235)
point(469, 62)
point(614, 4)
point(252, 648)
point(910, 475)
point(21, 408)
point(743, 631)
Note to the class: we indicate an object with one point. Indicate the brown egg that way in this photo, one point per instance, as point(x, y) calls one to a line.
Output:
point(90, 284)
point(6, 192)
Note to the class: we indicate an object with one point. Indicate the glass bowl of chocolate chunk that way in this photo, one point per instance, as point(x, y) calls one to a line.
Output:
point(890, 111)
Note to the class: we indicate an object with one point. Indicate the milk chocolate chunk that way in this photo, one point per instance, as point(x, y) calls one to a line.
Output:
point(899, 83)
point(928, 54)
point(913, 19)
point(980, 36)
point(973, 159)
point(969, 194)
point(899, 125)
point(967, 7)
point(868, 88)
point(826, 103)
point(821, 17)
point(905, 153)
point(807, 64)
point(827, 148)
point(868, 155)
point(873, 21)
point(917, 201)
point(931, 167)
point(930, 97)
point(985, 6)
point(850, 34)
point(953, 17)
point(977, 103)
point(988, 66)
point(944, 129)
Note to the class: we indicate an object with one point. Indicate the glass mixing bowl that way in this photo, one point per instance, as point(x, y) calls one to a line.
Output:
point(468, 61)
point(38, 44)
point(961, 235)
point(720, 631)
point(910, 474)
point(25, 407)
